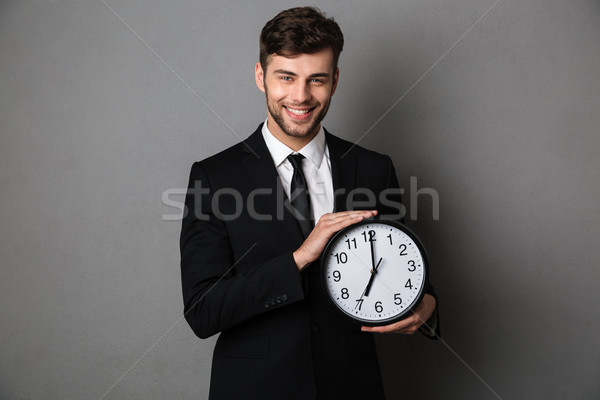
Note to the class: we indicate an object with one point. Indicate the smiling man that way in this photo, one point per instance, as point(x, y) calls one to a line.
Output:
point(298, 88)
point(250, 249)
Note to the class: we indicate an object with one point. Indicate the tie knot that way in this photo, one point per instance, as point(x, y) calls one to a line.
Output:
point(296, 161)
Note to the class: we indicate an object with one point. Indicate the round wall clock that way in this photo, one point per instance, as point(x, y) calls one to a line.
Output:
point(375, 271)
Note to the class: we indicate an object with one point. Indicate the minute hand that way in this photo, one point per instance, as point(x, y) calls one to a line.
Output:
point(371, 240)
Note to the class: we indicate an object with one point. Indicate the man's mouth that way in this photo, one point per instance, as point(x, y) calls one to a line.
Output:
point(299, 112)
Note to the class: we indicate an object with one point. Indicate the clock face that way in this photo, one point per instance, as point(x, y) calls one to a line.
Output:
point(375, 271)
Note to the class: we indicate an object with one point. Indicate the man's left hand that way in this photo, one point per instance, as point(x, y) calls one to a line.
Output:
point(410, 324)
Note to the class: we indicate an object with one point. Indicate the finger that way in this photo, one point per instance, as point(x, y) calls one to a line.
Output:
point(342, 223)
point(407, 325)
point(365, 213)
point(333, 218)
point(392, 329)
point(353, 217)
point(345, 214)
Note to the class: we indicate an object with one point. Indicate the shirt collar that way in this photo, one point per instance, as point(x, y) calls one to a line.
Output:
point(313, 151)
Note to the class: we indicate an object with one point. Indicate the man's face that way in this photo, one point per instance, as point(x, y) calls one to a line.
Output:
point(298, 90)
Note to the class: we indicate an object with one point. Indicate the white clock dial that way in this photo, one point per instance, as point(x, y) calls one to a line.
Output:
point(375, 271)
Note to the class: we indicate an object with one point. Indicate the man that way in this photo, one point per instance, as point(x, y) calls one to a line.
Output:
point(249, 271)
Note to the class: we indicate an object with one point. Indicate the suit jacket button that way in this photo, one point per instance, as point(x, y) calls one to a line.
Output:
point(267, 305)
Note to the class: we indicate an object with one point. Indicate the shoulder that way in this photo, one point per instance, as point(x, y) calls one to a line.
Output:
point(229, 159)
point(342, 148)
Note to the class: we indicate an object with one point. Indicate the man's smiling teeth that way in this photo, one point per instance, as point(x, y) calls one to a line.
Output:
point(298, 112)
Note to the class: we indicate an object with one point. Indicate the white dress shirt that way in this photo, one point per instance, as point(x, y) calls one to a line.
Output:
point(316, 167)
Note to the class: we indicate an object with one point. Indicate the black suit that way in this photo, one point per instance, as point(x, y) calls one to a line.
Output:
point(280, 339)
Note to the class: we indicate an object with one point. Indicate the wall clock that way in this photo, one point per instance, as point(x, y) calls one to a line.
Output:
point(375, 271)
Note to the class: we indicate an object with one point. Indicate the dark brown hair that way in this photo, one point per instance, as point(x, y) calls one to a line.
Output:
point(300, 30)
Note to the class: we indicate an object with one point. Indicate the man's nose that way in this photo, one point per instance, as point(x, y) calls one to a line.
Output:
point(301, 93)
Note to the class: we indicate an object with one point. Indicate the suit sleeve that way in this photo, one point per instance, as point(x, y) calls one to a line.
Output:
point(217, 295)
point(431, 327)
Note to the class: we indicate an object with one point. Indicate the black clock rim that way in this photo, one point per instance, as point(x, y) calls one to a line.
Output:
point(395, 318)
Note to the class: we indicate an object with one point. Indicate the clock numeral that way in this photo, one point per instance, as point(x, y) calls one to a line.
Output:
point(359, 303)
point(378, 307)
point(390, 237)
point(345, 293)
point(403, 250)
point(412, 267)
point(341, 258)
point(397, 299)
point(353, 242)
point(371, 235)
point(408, 284)
point(337, 276)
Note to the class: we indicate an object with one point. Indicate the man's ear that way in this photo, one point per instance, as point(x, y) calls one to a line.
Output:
point(259, 76)
point(336, 77)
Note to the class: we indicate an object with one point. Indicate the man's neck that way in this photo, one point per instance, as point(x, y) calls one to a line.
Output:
point(293, 142)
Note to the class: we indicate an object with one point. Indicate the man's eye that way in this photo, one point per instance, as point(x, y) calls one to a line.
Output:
point(286, 78)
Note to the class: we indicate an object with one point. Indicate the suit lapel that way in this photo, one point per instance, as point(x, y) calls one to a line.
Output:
point(343, 170)
point(258, 163)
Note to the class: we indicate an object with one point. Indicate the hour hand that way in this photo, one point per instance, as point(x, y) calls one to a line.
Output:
point(373, 272)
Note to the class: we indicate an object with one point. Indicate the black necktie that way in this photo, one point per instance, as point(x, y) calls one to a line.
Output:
point(299, 195)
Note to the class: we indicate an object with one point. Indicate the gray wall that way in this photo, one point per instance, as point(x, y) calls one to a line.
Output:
point(105, 105)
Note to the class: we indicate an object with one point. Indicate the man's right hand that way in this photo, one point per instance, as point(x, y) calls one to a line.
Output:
point(325, 228)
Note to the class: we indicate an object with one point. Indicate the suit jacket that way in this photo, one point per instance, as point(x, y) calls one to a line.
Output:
point(280, 338)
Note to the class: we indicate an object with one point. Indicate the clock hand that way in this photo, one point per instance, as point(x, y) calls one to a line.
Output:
point(378, 262)
point(372, 251)
point(373, 268)
point(373, 272)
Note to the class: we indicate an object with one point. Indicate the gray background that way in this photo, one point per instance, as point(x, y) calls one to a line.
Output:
point(105, 105)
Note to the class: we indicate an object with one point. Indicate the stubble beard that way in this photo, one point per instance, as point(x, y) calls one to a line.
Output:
point(277, 114)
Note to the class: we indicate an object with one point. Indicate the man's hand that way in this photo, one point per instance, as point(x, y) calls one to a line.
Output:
point(410, 324)
point(327, 226)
